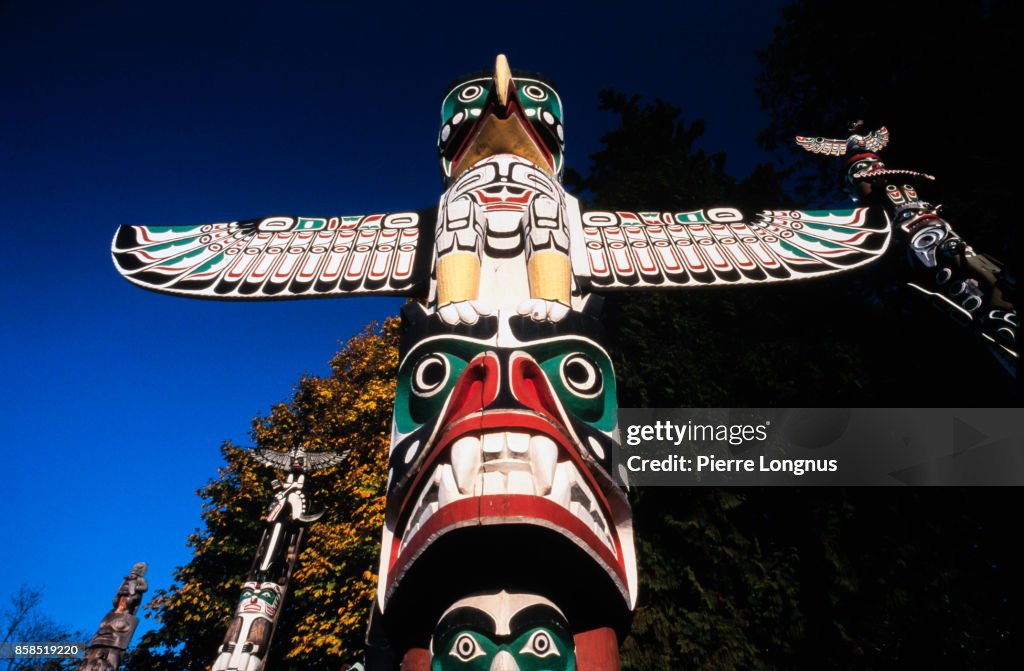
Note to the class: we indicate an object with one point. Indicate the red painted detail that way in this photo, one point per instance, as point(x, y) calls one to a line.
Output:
point(416, 659)
point(531, 388)
point(597, 650)
point(502, 207)
point(485, 199)
point(503, 509)
point(859, 157)
point(476, 388)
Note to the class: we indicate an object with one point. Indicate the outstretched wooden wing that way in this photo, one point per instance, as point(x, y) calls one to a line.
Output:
point(623, 250)
point(279, 257)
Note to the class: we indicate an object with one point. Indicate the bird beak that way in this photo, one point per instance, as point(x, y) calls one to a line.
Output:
point(504, 661)
point(502, 78)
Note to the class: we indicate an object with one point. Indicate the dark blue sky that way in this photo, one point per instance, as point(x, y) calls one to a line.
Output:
point(116, 399)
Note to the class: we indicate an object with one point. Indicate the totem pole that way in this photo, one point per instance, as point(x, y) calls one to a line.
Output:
point(974, 289)
point(507, 544)
point(249, 635)
point(106, 649)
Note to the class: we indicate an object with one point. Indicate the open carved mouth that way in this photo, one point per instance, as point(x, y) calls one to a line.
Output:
point(506, 467)
point(508, 462)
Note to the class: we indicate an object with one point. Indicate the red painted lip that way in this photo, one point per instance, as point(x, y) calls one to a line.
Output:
point(506, 509)
point(502, 420)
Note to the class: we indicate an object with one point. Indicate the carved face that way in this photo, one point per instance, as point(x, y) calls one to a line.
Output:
point(506, 424)
point(471, 100)
point(503, 632)
point(259, 598)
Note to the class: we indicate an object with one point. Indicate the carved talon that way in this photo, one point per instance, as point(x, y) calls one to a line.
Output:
point(463, 312)
point(541, 310)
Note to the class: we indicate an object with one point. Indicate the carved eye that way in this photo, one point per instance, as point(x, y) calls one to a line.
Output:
point(581, 375)
point(534, 92)
point(540, 644)
point(465, 648)
point(470, 93)
point(430, 375)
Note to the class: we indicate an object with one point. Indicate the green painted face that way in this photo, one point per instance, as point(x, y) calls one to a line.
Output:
point(538, 649)
point(577, 370)
point(467, 102)
point(267, 595)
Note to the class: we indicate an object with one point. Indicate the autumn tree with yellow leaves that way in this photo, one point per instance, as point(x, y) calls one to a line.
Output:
point(324, 620)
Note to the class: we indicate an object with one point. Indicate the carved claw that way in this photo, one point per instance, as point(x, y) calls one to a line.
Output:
point(541, 310)
point(463, 312)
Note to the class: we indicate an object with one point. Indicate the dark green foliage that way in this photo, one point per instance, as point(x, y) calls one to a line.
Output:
point(799, 578)
point(936, 75)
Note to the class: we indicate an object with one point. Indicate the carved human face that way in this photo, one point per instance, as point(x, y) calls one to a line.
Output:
point(504, 632)
point(506, 423)
point(259, 598)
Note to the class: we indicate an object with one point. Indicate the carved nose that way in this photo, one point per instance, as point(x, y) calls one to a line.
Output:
point(530, 387)
point(476, 388)
point(504, 661)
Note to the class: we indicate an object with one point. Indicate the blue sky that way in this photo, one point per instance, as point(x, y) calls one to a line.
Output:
point(169, 113)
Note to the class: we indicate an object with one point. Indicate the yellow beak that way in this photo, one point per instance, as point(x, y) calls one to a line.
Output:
point(502, 77)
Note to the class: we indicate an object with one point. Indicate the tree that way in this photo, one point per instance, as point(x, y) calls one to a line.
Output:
point(935, 76)
point(22, 622)
point(326, 610)
point(782, 577)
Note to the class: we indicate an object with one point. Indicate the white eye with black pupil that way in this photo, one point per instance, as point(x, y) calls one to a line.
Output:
point(465, 648)
point(581, 375)
point(540, 644)
point(470, 93)
point(534, 92)
point(430, 375)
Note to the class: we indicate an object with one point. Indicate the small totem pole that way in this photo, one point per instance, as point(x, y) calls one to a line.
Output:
point(251, 630)
point(507, 544)
point(106, 649)
point(973, 288)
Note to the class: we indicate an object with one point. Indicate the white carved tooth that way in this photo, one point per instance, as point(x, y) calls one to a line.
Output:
point(425, 515)
point(465, 460)
point(448, 490)
point(519, 443)
point(543, 458)
point(494, 443)
point(560, 486)
point(578, 510)
point(520, 482)
point(494, 483)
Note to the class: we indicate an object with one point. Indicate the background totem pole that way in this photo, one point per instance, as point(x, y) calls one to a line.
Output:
point(973, 288)
point(259, 606)
point(106, 649)
point(507, 543)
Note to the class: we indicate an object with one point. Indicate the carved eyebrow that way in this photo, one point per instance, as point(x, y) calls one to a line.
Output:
point(538, 615)
point(465, 617)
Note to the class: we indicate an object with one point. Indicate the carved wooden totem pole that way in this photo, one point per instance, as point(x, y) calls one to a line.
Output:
point(249, 635)
point(507, 544)
point(106, 649)
point(973, 288)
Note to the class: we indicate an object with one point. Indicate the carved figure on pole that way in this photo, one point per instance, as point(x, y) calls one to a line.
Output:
point(974, 288)
point(106, 649)
point(259, 606)
point(505, 409)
